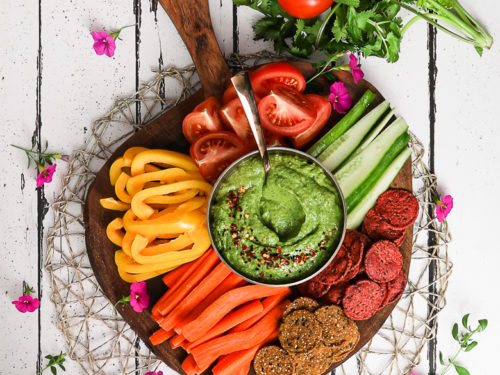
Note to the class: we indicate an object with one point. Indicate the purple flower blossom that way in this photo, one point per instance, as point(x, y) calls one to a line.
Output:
point(444, 207)
point(139, 299)
point(26, 303)
point(45, 175)
point(356, 71)
point(339, 96)
point(154, 373)
point(103, 43)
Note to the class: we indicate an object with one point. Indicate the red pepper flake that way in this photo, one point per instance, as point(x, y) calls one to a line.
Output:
point(262, 274)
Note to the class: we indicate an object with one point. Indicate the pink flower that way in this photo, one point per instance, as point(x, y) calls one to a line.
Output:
point(444, 207)
point(356, 71)
point(139, 298)
point(103, 43)
point(45, 175)
point(154, 373)
point(26, 303)
point(339, 96)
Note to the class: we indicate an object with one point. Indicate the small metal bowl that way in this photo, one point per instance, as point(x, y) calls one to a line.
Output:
point(228, 171)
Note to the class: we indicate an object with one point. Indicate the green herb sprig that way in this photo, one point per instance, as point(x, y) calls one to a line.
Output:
point(371, 27)
point(466, 343)
point(54, 361)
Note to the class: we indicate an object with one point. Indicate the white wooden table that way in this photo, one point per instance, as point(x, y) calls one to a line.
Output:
point(53, 85)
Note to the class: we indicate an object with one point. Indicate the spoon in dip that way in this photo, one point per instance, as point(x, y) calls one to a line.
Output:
point(243, 87)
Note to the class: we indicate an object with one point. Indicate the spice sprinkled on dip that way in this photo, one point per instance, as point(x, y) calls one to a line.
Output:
point(280, 229)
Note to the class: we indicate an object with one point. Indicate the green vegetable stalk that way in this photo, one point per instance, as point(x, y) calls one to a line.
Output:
point(372, 27)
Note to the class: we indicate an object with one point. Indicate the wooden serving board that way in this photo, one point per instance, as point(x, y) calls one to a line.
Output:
point(193, 22)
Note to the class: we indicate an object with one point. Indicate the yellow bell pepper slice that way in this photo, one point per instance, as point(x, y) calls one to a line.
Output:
point(144, 254)
point(115, 170)
point(112, 204)
point(131, 153)
point(143, 211)
point(161, 156)
point(114, 231)
point(131, 277)
point(120, 186)
point(136, 183)
point(170, 223)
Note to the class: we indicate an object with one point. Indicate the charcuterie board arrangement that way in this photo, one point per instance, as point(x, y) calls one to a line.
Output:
point(146, 220)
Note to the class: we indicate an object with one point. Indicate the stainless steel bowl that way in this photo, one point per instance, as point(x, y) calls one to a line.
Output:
point(228, 171)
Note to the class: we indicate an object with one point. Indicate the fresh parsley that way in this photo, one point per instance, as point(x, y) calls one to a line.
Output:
point(371, 27)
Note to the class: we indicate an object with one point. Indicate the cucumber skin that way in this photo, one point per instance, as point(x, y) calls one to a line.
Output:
point(362, 190)
point(332, 157)
point(341, 127)
point(352, 175)
point(356, 216)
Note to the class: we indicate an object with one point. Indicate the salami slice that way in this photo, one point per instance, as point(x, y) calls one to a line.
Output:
point(383, 261)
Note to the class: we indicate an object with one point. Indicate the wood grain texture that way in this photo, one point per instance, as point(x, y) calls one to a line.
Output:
point(165, 132)
point(192, 20)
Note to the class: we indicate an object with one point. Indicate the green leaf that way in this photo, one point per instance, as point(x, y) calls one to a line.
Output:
point(483, 323)
point(465, 320)
point(479, 50)
point(461, 370)
point(471, 346)
point(454, 332)
point(54, 370)
point(393, 42)
point(441, 360)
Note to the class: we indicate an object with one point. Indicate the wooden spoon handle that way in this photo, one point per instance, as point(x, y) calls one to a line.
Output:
point(192, 20)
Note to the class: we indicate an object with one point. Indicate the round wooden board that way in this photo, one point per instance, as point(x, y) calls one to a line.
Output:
point(166, 132)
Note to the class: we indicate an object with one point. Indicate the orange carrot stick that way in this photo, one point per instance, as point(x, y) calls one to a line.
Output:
point(239, 362)
point(223, 305)
point(189, 366)
point(176, 341)
point(232, 319)
point(231, 282)
point(196, 296)
point(208, 352)
point(192, 267)
point(269, 303)
point(168, 305)
point(160, 336)
point(171, 277)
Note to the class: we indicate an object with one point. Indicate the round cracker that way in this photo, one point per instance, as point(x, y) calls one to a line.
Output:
point(336, 328)
point(273, 360)
point(301, 303)
point(299, 332)
point(383, 261)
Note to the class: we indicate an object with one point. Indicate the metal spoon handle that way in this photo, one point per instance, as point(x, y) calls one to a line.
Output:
point(243, 86)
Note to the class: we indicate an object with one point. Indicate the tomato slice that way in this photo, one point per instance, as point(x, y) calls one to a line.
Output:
point(202, 120)
point(286, 111)
point(215, 151)
point(234, 118)
point(324, 110)
point(266, 76)
point(230, 92)
point(273, 139)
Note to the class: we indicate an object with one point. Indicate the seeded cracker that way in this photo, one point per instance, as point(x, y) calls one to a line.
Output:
point(299, 332)
point(272, 360)
point(336, 328)
point(314, 362)
point(302, 303)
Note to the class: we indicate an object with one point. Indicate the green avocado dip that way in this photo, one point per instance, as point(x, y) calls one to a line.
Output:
point(280, 230)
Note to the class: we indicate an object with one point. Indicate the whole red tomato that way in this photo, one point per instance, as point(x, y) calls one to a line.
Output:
point(305, 8)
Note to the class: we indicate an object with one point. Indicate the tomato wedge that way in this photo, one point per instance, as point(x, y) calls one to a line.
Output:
point(215, 151)
point(266, 76)
point(273, 139)
point(234, 118)
point(286, 111)
point(230, 92)
point(324, 110)
point(202, 120)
